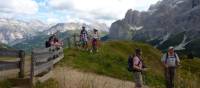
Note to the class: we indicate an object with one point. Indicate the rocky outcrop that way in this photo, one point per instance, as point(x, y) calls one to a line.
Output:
point(165, 17)
point(168, 18)
point(120, 30)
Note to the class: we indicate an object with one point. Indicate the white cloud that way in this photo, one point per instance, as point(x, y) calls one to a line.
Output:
point(87, 11)
point(18, 6)
point(99, 10)
point(52, 20)
point(60, 4)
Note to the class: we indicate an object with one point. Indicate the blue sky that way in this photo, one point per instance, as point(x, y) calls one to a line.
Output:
point(87, 11)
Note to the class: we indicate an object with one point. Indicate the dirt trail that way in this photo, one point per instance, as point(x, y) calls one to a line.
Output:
point(70, 78)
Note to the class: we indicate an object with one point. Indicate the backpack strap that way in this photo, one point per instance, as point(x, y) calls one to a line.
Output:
point(167, 56)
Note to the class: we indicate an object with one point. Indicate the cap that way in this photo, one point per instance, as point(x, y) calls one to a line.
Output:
point(171, 47)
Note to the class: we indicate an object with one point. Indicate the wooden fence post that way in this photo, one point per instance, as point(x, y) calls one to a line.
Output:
point(32, 71)
point(74, 40)
point(21, 63)
point(69, 42)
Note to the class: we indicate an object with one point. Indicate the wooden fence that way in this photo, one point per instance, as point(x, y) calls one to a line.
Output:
point(42, 62)
point(8, 65)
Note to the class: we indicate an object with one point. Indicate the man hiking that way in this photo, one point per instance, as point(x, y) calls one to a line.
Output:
point(138, 68)
point(84, 38)
point(170, 61)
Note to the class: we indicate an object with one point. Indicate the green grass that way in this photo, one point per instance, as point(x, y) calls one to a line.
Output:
point(7, 58)
point(112, 61)
point(188, 74)
point(5, 84)
point(51, 83)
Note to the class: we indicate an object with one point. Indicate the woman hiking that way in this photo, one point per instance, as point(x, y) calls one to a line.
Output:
point(95, 39)
point(170, 62)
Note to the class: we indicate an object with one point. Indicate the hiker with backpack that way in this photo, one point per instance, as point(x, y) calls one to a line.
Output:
point(84, 38)
point(50, 41)
point(53, 41)
point(170, 62)
point(136, 65)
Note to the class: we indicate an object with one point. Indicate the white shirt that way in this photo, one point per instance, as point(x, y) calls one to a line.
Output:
point(95, 35)
point(171, 60)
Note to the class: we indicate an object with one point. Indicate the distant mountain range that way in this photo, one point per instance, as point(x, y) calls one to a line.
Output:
point(14, 32)
point(166, 23)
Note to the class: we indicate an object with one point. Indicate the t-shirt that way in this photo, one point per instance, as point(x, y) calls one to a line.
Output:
point(95, 35)
point(84, 35)
point(136, 60)
point(171, 60)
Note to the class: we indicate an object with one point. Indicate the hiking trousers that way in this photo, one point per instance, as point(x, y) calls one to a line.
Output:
point(138, 79)
point(169, 75)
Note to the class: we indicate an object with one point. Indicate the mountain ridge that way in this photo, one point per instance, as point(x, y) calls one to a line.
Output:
point(163, 20)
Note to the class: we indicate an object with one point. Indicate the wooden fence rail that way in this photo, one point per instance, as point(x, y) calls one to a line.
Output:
point(8, 65)
point(42, 61)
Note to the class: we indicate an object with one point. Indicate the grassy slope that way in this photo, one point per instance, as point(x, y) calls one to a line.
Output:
point(112, 61)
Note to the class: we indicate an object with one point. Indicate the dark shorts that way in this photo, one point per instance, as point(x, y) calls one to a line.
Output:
point(83, 42)
point(94, 42)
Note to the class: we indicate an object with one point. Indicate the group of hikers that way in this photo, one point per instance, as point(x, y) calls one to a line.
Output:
point(136, 65)
point(170, 62)
point(84, 39)
point(82, 42)
point(53, 41)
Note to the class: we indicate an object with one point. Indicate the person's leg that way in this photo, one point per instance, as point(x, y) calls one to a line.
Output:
point(173, 70)
point(95, 45)
point(167, 78)
point(86, 45)
point(92, 45)
point(82, 44)
point(170, 77)
point(138, 79)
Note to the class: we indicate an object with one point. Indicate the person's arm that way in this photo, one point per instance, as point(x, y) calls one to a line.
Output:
point(163, 60)
point(178, 59)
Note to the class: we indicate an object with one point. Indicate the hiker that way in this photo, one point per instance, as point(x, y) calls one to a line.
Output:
point(170, 61)
point(137, 67)
point(95, 39)
point(57, 43)
point(84, 38)
point(53, 41)
point(50, 42)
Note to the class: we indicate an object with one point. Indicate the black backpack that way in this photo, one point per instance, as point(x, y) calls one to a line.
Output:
point(130, 64)
point(47, 44)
